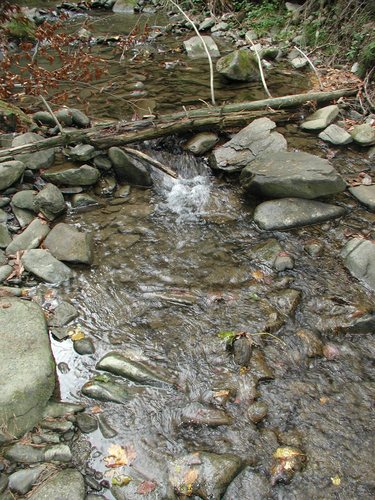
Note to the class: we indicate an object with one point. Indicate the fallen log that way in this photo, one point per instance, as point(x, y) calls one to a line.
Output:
point(218, 117)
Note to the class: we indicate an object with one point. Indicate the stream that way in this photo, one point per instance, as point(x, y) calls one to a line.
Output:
point(175, 265)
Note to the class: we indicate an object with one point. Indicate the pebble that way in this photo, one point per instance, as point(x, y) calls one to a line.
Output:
point(257, 411)
point(86, 423)
point(107, 431)
point(242, 351)
point(84, 346)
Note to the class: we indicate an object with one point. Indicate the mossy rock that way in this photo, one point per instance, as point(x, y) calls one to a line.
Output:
point(20, 28)
point(12, 118)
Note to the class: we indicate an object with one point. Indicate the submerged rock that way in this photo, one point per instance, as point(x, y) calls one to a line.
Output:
point(104, 388)
point(66, 484)
point(336, 135)
point(34, 161)
point(201, 143)
point(105, 428)
point(87, 423)
point(10, 172)
point(240, 65)
point(359, 258)
point(60, 409)
point(45, 266)
point(84, 346)
point(321, 118)
point(242, 349)
point(68, 244)
point(30, 238)
point(195, 48)
point(249, 485)
point(294, 212)
point(198, 414)
point(287, 461)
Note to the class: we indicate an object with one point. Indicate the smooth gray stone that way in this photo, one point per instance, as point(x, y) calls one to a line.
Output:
point(84, 346)
point(27, 374)
point(200, 143)
point(34, 161)
point(79, 118)
point(321, 118)
point(45, 266)
point(44, 118)
point(128, 169)
point(104, 388)
point(24, 217)
point(31, 237)
point(68, 244)
point(57, 453)
point(124, 6)
point(50, 202)
point(364, 194)
point(103, 163)
point(359, 258)
point(336, 135)
point(299, 62)
point(85, 175)
point(67, 484)
point(82, 152)
point(4, 201)
point(364, 134)
point(107, 431)
point(195, 48)
point(83, 200)
point(25, 199)
point(57, 426)
point(294, 212)
point(5, 271)
point(3, 216)
point(87, 423)
point(249, 485)
point(65, 117)
point(5, 237)
point(10, 172)
point(59, 409)
point(23, 480)
point(266, 251)
point(240, 65)
point(24, 454)
point(63, 314)
point(206, 24)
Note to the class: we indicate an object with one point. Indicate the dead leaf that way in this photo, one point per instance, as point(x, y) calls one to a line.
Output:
point(191, 476)
point(96, 409)
point(119, 456)
point(76, 334)
point(146, 487)
point(258, 275)
point(336, 480)
point(5, 306)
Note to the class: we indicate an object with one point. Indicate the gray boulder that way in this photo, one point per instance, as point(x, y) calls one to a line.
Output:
point(240, 65)
point(294, 212)
point(45, 266)
point(5, 237)
point(25, 199)
point(79, 118)
point(321, 118)
point(68, 244)
point(50, 202)
point(299, 62)
point(336, 135)
point(253, 141)
point(249, 481)
point(34, 161)
point(364, 134)
point(195, 48)
point(124, 6)
point(104, 388)
point(44, 118)
point(5, 271)
point(27, 368)
point(201, 143)
point(63, 314)
point(365, 194)
point(31, 237)
point(23, 480)
point(10, 172)
point(24, 217)
point(82, 152)
point(64, 117)
point(85, 175)
point(291, 174)
point(359, 258)
point(128, 169)
point(66, 484)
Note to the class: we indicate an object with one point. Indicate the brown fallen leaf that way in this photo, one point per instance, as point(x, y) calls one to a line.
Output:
point(96, 409)
point(146, 487)
point(119, 456)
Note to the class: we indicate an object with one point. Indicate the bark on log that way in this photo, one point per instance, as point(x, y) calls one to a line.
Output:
point(229, 115)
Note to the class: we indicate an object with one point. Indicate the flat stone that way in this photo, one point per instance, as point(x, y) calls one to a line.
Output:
point(10, 172)
point(86, 423)
point(24, 217)
point(24, 454)
point(299, 62)
point(25, 199)
point(206, 24)
point(291, 174)
point(31, 237)
point(321, 118)
point(50, 202)
point(82, 152)
point(85, 175)
point(5, 237)
point(364, 134)
point(240, 65)
point(60, 426)
point(129, 170)
point(63, 314)
point(197, 414)
point(336, 135)
point(68, 244)
point(45, 266)
point(5, 271)
point(365, 194)
point(23, 480)
point(195, 48)
point(83, 200)
point(359, 258)
point(253, 141)
point(57, 453)
point(104, 388)
point(60, 409)
point(201, 143)
point(294, 212)
point(34, 161)
point(66, 484)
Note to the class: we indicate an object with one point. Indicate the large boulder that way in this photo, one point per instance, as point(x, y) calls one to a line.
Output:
point(359, 258)
point(291, 174)
point(364, 134)
point(253, 141)
point(240, 65)
point(34, 161)
point(45, 266)
point(195, 48)
point(31, 237)
point(10, 172)
point(68, 244)
point(50, 202)
point(365, 194)
point(321, 118)
point(85, 175)
point(66, 484)
point(294, 212)
point(336, 135)
point(129, 170)
point(27, 368)
point(124, 6)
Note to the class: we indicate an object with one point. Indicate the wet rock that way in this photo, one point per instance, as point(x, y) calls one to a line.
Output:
point(283, 262)
point(242, 349)
point(66, 243)
point(3, 482)
point(4, 201)
point(195, 48)
point(364, 194)
point(44, 118)
point(59, 409)
point(57, 425)
point(254, 141)
point(266, 251)
point(63, 314)
point(127, 169)
point(57, 453)
point(364, 134)
point(5, 271)
point(257, 412)
point(79, 118)
point(291, 174)
point(206, 475)
point(286, 301)
point(30, 238)
point(65, 117)
point(321, 118)
point(123, 191)
point(201, 143)
point(240, 65)
point(106, 186)
point(60, 333)
point(10, 172)
point(23, 480)
point(336, 135)
point(83, 200)
point(359, 258)
point(124, 6)
point(25, 199)
point(314, 248)
point(103, 163)
point(259, 367)
point(24, 217)
point(311, 342)
point(5, 237)
point(84, 346)
point(249, 485)
point(24, 454)
point(104, 388)
point(82, 152)
point(287, 461)
point(107, 431)
point(50, 202)
point(86, 423)
point(45, 266)
point(66, 484)
point(120, 364)
point(198, 414)
point(294, 212)
point(34, 161)
point(85, 175)
point(27, 374)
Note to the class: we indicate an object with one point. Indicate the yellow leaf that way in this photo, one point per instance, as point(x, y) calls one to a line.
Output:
point(191, 476)
point(119, 456)
point(336, 481)
point(76, 334)
point(258, 275)
point(287, 452)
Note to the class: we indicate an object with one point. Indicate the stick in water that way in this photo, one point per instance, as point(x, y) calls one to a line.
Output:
point(52, 114)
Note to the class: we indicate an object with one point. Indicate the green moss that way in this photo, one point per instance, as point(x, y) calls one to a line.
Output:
point(21, 28)
point(367, 57)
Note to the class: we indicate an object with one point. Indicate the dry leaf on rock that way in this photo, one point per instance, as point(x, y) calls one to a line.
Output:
point(146, 487)
point(119, 456)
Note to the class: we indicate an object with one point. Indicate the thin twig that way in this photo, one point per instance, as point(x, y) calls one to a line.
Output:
point(313, 67)
point(52, 113)
point(260, 68)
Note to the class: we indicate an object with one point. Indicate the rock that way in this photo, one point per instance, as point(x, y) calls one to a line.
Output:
point(311, 343)
point(206, 24)
point(257, 412)
point(10, 172)
point(83, 200)
point(122, 365)
point(23, 480)
point(104, 388)
point(259, 367)
point(299, 62)
point(201, 143)
point(202, 474)
point(85, 175)
point(314, 248)
point(27, 368)
point(239, 65)
point(84, 346)
point(60, 333)
point(86, 423)
point(242, 351)
point(65, 117)
point(222, 26)
point(57, 453)
point(103, 163)
point(5, 237)
point(63, 314)
point(24, 217)
point(359, 258)
point(364, 134)
point(283, 262)
point(44, 118)
point(249, 485)
point(285, 301)
point(5, 271)
point(59, 426)
point(321, 118)
point(195, 48)
point(106, 186)
point(66, 484)
point(287, 461)
point(59, 409)
point(45, 266)
point(124, 6)
point(250, 143)
point(336, 135)
point(365, 194)
point(66, 243)
point(3, 482)
point(294, 212)
point(50, 202)
point(25, 199)
point(4, 201)
point(198, 414)
point(266, 251)
point(291, 174)
point(105, 428)
point(34, 161)
point(128, 169)
point(371, 152)
point(82, 152)
point(79, 118)
point(24, 454)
